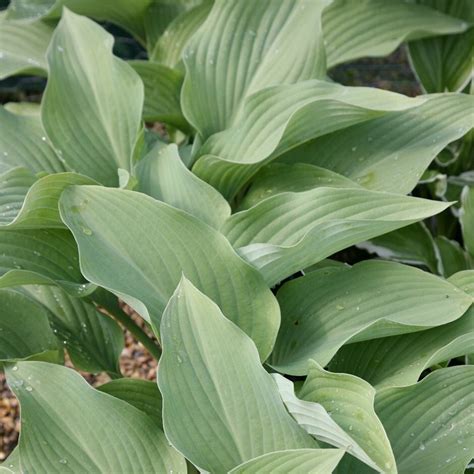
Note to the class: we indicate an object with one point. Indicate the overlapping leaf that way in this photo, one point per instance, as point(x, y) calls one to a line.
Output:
point(162, 175)
point(218, 411)
point(391, 153)
point(65, 422)
point(430, 424)
point(467, 218)
point(323, 311)
point(243, 47)
point(138, 247)
point(105, 94)
point(288, 232)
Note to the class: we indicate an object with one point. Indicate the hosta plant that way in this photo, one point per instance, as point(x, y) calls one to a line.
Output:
point(302, 251)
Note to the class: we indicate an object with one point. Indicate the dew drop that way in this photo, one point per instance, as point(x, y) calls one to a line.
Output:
point(63, 461)
point(86, 231)
point(354, 148)
point(422, 446)
point(29, 388)
point(339, 307)
point(15, 368)
point(60, 49)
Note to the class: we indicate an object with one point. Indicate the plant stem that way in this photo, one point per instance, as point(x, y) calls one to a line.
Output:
point(110, 304)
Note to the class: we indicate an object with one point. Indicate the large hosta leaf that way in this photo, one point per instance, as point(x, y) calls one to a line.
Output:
point(377, 27)
point(280, 118)
point(431, 424)
point(413, 244)
point(33, 204)
point(24, 327)
point(279, 178)
point(323, 311)
point(467, 219)
point(138, 248)
point(244, 46)
point(400, 360)
point(23, 47)
point(220, 406)
point(391, 153)
point(163, 175)
point(445, 62)
point(162, 91)
point(23, 142)
point(105, 94)
point(293, 461)
point(38, 256)
point(290, 231)
point(128, 15)
point(142, 394)
point(350, 401)
point(65, 423)
point(316, 421)
point(93, 341)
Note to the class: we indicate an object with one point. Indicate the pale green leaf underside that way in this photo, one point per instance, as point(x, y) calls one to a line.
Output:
point(290, 231)
point(28, 203)
point(23, 47)
point(138, 247)
point(65, 423)
point(93, 341)
point(452, 256)
point(322, 312)
point(350, 402)
point(314, 419)
point(220, 407)
point(293, 461)
point(163, 176)
point(142, 394)
point(355, 29)
point(278, 119)
point(243, 47)
point(24, 327)
point(390, 153)
point(400, 360)
point(105, 94)
point(23, 142)
point(431, 424)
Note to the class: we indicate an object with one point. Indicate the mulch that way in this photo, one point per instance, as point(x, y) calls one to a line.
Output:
point(135, 362)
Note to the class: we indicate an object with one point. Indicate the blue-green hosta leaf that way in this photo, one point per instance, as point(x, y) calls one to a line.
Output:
point(445, 63)
point(278, 119)
point(322, 312)
point(163, 175)
point(400, 360)
point(244, 46)
point(220, 407)
point(390, 153)
point(14, 185)
point(24, 327)
point(431, 424)
point(168, 49)
point(65, 423)
point(28, 203)
point(38, 256)
point(138, 247)
point(377, 27)
point(128, 15)
point(452, 256)
point(350, 401)
point(105, 94)
point(93, 341)
point(162, 91)
point(293, 461)
point(288, 232)
point(279, 178)
point(23, 142)
point(413, 245)
point(23, 47)
point(314, 418)
point(464, 280)
point(142, 394)
point(467, 218)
